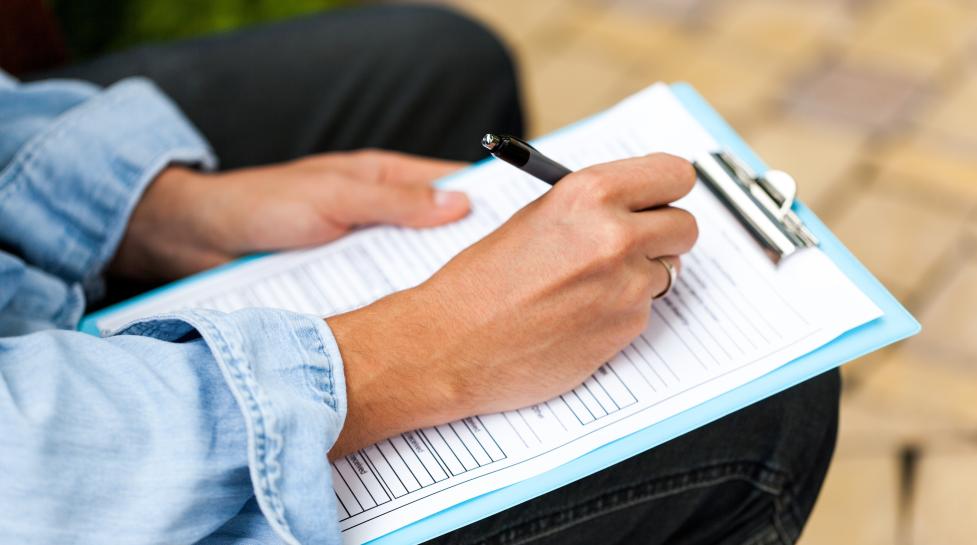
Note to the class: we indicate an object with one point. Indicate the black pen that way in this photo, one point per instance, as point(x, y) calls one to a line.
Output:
point(524, 157)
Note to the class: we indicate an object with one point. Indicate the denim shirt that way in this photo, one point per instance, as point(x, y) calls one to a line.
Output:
point(194, 427)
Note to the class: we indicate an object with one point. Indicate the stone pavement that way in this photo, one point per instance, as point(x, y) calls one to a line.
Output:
point(872, 105)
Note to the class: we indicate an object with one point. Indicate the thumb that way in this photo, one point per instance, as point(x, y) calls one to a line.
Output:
point(411, 205)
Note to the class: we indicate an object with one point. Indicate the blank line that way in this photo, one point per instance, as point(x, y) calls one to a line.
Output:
point(667, 323)
point(360, 477)
point(672, 306)
point(409, 469)
point(708, 309)
point(396, 474)
point(640, 372)
point(720, 307)
point(606, 410)
point(596, 378)
point(343, 505)
point(384, 486)
point(634, 398)
point(660, 358)
point(492, 437)
point(526, 422)
point(556, 416)
point(451, 426)
point(570, 408)
point(681, 292)
point(576, 395)
point(519, 435)
point(434, 454)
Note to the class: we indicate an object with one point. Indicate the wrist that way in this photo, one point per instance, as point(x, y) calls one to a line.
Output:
point(395, 379)
point(168, 235)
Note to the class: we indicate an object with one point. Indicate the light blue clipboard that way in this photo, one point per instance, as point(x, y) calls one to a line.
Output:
point(895, 324)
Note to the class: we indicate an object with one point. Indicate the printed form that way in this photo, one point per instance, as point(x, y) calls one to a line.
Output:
point(732, 317)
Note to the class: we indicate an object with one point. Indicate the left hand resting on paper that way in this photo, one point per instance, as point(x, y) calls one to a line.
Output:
point(188, 221)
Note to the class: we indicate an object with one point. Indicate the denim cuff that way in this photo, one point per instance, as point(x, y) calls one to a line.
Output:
point(109, 148)
point(286, 373)
point(33, 300)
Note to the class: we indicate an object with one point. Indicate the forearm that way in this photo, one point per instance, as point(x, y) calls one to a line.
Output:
point(174, 230)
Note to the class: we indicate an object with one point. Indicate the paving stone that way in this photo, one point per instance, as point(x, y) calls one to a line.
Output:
point(950, 323)
point(945, 508)
point(818, 155)
point(861, 96)
point(913, 36)
point(574, 83)
point(857, 505)
point(917, 387)
point(623, 35)
point(738, 84)
point(666, 9)
point(898, 236)
point(931, 165)
point(878, 418)
point(791, 32)
point(954, 118)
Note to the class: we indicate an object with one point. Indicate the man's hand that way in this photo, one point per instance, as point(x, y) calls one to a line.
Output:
point(189, 221)
point(526, 313)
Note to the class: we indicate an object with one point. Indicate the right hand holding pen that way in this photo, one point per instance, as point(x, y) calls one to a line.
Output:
point(526, 313)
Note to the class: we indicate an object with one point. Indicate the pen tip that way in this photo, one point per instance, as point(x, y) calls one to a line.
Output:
point(490, 141)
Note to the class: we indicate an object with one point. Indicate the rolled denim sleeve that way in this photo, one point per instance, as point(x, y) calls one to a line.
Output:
point(176, 429)
point(76, 159)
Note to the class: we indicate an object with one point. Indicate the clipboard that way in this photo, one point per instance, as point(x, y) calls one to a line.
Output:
point(766, 206)
point(895, 324)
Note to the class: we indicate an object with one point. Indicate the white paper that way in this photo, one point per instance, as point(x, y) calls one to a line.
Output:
point(732, 317)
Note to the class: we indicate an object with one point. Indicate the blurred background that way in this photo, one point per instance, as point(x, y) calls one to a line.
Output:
point(871, 104)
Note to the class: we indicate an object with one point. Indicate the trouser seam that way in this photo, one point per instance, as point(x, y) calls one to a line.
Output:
point(769, 536)
point(759, 475)
point(787, 520)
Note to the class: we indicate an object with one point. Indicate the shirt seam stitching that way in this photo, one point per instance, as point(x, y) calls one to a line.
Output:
point(265, 454)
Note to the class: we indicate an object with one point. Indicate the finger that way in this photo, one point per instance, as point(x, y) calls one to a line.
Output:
point(394, 168)
point(661, 281)
point(406, 205)
point(665, 231)
point(642, 182)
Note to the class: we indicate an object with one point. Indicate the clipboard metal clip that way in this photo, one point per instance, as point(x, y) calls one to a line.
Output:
point(762, 203)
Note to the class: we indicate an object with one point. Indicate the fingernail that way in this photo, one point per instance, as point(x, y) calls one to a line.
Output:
point(448, 199)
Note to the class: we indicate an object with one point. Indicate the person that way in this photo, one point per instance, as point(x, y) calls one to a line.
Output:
point(205, 427)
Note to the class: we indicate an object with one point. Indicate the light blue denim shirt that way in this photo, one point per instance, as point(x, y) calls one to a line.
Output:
point(195, 427)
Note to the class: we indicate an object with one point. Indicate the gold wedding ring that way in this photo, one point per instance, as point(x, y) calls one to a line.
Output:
point(672, 273)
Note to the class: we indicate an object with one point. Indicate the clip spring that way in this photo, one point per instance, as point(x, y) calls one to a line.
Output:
point(762, 203)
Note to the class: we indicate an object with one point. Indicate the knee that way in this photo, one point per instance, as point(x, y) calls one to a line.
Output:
point(809, 433)
point(459, 47)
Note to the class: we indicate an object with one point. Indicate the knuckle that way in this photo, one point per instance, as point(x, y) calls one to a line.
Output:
point(615, 240)
point(591, 186)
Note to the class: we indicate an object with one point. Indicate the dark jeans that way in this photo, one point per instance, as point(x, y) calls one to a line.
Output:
point(427, 81)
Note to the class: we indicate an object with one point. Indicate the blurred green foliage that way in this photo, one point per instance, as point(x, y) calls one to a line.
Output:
point(92, 27)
